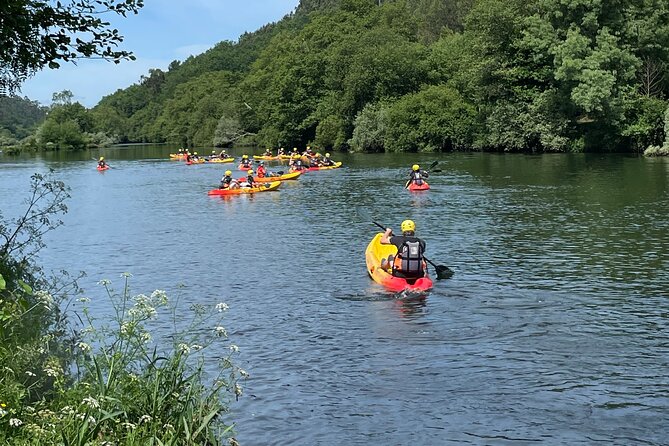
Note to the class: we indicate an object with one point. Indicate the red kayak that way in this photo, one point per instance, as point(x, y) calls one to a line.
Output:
point(376, 252)
point(414, 186)
point(241, 167)
point(102, 169)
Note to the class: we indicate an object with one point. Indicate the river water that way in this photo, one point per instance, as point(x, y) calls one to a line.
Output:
point(554, 328)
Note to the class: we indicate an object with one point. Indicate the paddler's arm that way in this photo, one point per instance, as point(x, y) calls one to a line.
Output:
point(385, 238)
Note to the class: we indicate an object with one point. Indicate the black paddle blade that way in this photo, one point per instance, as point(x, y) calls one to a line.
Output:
point(443, 272)
point(434, 163)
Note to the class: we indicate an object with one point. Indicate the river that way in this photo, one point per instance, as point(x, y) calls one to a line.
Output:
point(554, 328)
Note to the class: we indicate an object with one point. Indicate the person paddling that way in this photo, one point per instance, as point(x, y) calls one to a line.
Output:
point(227, 182)
point(326, 161)
point(268, 152)
point(250, 181)
point(102, 163)
point(417, 176)
point(261, 172)
point(223, 154)
point(246, 162)
point(409, 262)
point(281, 151)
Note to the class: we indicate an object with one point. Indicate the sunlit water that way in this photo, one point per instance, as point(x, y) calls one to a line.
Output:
point(554, 328)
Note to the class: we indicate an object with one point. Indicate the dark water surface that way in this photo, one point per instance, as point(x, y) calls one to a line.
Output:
point(553, 330)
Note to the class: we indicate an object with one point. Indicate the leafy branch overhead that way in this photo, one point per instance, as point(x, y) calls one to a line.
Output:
point(37, 34)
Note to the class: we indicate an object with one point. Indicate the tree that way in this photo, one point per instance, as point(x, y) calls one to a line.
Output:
point(35, 34)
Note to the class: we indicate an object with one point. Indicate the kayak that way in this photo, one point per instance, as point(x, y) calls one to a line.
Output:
point(374, 253)
point(414, 186)
point(221, 160)
point(335, 166)
point(198, 161)
point(177, 156)
point(284, 177)
point(265, 157)
point(247, 190)
point(285, 157)
point(241, 167)
point(102, 169)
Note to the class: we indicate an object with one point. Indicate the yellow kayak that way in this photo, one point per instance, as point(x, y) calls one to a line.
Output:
point(265, 157)
point(246, 190)
point(221, 160)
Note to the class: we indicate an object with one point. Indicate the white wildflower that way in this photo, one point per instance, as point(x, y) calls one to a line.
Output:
point(50, 371)
point(126, 275)
point(238, 390)
point(3, 412)
point(243, 373)
point(91, 420)
point(45, 298)
point(196, 347)
point(104, 282)
point(234, 348)
point(84, 299)
point(183, 348)
point(145, 337)
point(91, 402)
point(221, 307)
point(160, 296)
point(125, 328)
point(15, 422)
point(84, 347)
point(220, 331)
point(128, 425)
point(29, 373)
point(168, 427)
point(145, 419)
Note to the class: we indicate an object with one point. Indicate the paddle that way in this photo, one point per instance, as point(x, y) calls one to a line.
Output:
point(434, 163)
point(443, 272)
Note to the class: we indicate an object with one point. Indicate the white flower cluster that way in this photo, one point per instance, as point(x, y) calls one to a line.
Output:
point(44, 298)
point(220, 331)
point(221, 307)
point(91, 402)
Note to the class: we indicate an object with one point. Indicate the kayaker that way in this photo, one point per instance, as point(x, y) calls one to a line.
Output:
point(261, 172)
point(227, 182)
point(223, 154)
point(417, 176)
point(294, 152)
point(195, 157)
point(296, 164)
point(213, 155)
point(409, 262)
point(246, 162)
point(326, 161)
point(281, 151)
point(268, 152)
point(250, 182)
point(102, 163)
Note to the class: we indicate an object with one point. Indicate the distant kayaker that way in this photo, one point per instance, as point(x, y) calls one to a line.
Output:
point(408, 263)
point(213, 155)
point(102, 163)
point(281, 151)
point(250, 182)
point(326, 161)
point(223, 154)
point(227, 182)
point(261, 172)
point(246, 162)
point(268, 152)
point(417, 176)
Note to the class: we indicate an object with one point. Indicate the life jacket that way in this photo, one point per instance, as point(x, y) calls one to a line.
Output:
point(261, 172)
point(417, 177)
point(226, 181)
point(409, 259)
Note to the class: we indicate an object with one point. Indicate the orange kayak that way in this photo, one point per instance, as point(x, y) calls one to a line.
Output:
point(266, 187)
point(374, 253)
point(414, 186)
point(284, 177)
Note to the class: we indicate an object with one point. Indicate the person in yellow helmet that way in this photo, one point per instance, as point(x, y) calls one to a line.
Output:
point(227, 182)
point(102, 164)
point(408, 263)
point(246, 163)
point(417, 176)
point(249, 181)
point(326, 161)
point(281, 151)
point(268, 152)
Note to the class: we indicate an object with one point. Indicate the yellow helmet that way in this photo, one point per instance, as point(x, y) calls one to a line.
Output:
point(244, 156)
point(102, 158)
point(228, 172)
point(408, 225)
point(415, 167)
point(294, 149)
point(194, 153)
point(250, 171)
point(327, 155)
point(213, 151)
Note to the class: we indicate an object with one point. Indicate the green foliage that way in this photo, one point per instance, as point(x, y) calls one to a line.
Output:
point(35, 35)
point(18, 118)
point(434, 119)
point(370, 129)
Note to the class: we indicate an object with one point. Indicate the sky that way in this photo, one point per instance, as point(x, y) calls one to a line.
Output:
point(164, 30)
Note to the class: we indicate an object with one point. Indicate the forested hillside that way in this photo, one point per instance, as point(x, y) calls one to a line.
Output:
point(18, 118)
point(418, 75)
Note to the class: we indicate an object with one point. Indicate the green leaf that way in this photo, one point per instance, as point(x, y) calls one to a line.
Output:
point(26, 288)
point(3, 284)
